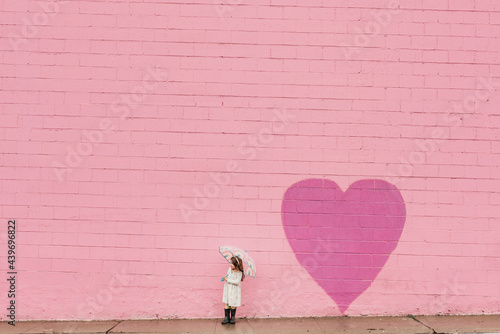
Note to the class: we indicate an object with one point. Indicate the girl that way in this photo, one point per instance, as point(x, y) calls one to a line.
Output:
point(232, 289)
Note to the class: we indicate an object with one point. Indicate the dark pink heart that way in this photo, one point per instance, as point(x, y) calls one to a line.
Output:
point(343, 239)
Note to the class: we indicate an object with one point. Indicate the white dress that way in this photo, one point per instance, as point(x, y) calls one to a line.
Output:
point(232, 288)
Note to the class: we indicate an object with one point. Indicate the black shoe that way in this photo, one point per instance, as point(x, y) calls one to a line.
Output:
point(233, 314)
point(226, 319)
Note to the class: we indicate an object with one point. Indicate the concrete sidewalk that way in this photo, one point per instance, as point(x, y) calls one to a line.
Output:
point(347, 325)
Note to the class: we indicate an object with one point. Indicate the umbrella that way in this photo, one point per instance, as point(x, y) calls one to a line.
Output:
point(229, 251)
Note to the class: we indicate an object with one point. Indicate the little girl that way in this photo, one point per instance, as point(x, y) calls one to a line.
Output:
point(232, 289)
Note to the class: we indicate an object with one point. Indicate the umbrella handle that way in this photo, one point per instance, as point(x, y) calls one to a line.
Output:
point(222, 279)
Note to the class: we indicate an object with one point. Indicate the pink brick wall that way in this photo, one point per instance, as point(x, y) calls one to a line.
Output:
point(137, 137)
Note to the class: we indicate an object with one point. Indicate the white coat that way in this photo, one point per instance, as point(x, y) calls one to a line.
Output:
point(232, 288)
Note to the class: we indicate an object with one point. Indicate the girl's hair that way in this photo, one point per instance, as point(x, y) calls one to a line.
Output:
point(238, 264)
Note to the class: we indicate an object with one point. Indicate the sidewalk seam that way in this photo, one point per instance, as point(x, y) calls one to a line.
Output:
point(415, 318)
point(317, 323)
point(119, 322)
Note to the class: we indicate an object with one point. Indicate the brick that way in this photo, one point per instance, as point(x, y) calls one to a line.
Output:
point(61, 265)
point(36, 264)
point(103, 253)
point(51, 252)
point(180, 256)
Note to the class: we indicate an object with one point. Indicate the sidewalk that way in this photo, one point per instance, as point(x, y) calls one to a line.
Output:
point(346, 325)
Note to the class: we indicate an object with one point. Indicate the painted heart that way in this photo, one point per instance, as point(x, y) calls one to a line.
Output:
point(343, 239)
